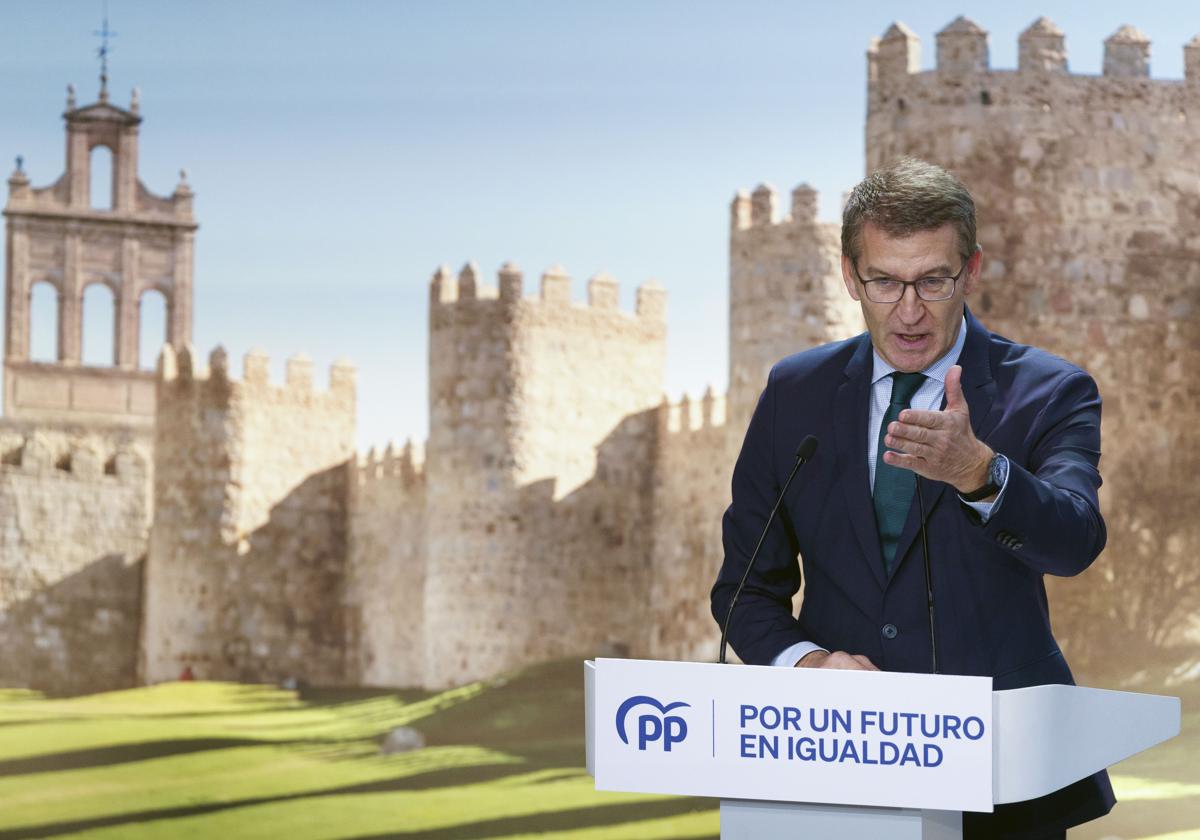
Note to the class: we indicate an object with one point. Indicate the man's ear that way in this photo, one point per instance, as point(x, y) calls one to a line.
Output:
point(848, 277)
point(974, 270)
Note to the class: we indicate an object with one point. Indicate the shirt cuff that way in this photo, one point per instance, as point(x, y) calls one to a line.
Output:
point(986, 509)
point(791, 655)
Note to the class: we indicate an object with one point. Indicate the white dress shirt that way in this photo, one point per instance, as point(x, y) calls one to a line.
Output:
point(928, 397)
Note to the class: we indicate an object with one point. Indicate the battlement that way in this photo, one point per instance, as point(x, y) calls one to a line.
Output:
point(962, 51)
point(39, 454)
point(181, 369)
point(603, 291)
point(406, 466)
point(760, 208)
point(693, 415)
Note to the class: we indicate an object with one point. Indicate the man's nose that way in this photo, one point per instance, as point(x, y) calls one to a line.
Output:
point(910, 305)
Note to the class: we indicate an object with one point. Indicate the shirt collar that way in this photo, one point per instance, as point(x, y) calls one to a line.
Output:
point(937, 370)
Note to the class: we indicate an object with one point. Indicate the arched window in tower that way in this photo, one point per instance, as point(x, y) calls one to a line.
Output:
point(102, 186)
point(99, 318)
point(43, 322)
point(152, 328)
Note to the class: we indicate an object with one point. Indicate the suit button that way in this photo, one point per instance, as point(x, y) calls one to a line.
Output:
point(889, 631)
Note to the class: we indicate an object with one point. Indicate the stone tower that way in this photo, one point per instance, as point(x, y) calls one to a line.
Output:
point(538, 469)
point(246, 565)
point(54, 235)
point(1088, 194)
point(785, 290)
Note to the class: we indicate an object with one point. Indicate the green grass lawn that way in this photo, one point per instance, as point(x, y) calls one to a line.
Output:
point(504, 759)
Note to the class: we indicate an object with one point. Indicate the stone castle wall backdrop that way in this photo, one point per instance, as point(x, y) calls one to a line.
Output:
point(560, 506)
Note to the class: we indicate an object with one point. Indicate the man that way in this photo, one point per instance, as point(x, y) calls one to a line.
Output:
point(1005, 439)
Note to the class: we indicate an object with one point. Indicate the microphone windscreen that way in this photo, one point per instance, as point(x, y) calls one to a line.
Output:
point(806, 448)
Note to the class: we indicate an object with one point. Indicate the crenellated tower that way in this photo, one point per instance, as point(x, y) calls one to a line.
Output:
point(245, 574)
point(537, 469)
point(1088, 193)
point(785, 290)
point(130, 240)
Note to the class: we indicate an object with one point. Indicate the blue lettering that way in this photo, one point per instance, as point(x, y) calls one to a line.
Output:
point(889, 753)
point(910, 755)
point(883, 728)
point(841, 720)
point(768, 744)
point(978, 728)
point(833, 754)
point(791, 718)
point(866, 756)
point(936, 726)
point(749, 713)
point(849, 753)
point(934, 750)
point(676, 731)
point(868, 720)
point(804, 748)
point(748, 746)
point(769, 717)
point(649, 729)
point(951, 723)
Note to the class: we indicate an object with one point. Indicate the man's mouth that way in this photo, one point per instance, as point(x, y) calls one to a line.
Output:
point(911, 341)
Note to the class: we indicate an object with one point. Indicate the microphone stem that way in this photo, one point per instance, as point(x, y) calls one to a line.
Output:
point(928, 577)
point(733, 601)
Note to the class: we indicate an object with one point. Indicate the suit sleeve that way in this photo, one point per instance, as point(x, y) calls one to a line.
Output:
point(1050, 519)
point(762, 624)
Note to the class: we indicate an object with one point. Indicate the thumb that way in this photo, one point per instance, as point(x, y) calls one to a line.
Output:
point(955, 401)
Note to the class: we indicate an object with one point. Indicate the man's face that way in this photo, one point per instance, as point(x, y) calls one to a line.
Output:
point(912, 333)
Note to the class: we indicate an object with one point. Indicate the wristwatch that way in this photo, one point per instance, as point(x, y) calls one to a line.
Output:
point(997, 473)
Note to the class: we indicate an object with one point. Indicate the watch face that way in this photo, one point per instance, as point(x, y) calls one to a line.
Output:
point(996, 470)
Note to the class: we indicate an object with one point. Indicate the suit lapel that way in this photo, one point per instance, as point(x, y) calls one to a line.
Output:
point(979, 390)
point(851, 406)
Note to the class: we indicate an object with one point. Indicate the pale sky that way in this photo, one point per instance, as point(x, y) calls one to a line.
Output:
point(341, 151)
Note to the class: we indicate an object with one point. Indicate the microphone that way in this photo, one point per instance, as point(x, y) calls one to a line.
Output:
point(928, 576)
point(804, 453)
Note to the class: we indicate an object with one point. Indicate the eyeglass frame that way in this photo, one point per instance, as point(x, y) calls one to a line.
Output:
point(906, 283)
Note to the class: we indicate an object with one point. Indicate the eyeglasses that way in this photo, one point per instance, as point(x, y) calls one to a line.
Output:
point(890, 290)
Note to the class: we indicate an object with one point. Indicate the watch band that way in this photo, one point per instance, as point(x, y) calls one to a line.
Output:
point(991, 487)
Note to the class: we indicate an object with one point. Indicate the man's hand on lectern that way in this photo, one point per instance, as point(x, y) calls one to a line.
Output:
point(838, 659)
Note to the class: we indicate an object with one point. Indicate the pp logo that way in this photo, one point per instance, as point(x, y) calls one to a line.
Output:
point(670, 729)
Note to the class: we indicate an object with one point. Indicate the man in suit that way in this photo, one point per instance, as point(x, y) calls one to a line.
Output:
point(1004, 439)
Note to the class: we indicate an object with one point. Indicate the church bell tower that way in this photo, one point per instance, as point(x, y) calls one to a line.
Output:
point(133, 243)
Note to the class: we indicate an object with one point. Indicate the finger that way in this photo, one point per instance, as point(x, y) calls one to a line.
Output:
point(955, 401)
point(909, 431)
point(928, 419)
point(909, 447)
point(867, 664)
point(842, 661)
point(907, 462)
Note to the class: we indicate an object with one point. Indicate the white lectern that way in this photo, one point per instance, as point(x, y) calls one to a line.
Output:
point(851, 754)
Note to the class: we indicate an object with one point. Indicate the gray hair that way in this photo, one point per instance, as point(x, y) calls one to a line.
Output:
point(906, 197)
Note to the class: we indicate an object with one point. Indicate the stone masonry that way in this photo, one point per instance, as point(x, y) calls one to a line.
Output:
point(247, 553)
point(562, 506)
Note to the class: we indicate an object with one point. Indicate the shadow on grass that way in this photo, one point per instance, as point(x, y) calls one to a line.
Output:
point(596, 815)
point(447, 777)
point(615, 815)
point(120, 754)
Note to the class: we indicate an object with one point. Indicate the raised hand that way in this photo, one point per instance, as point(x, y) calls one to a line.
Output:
point(940, 445)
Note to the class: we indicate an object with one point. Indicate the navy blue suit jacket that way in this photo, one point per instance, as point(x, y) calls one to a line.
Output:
point(992, 617)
